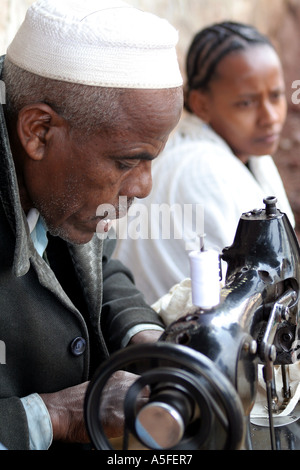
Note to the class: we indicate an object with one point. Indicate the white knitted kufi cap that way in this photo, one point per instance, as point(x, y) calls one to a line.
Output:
point(105, 43)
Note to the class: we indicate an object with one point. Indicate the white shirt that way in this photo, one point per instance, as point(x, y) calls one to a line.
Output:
point(196, 169)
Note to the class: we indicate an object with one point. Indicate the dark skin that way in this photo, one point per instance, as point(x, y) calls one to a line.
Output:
point(66, 178)
point(84, 173)
point(245, 102)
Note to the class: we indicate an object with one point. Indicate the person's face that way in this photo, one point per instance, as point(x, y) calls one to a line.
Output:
point(73, 178)
point(246, 102)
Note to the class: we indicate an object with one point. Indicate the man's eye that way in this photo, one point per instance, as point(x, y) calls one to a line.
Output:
point(127, 164)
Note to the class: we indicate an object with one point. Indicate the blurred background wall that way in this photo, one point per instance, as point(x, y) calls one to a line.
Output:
point(280, 19)
point(186, 15)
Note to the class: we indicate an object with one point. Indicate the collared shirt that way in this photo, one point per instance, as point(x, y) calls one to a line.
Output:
point(38, 231)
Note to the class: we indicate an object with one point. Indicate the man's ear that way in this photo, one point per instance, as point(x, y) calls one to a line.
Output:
point(199, 104)
point(34, 126)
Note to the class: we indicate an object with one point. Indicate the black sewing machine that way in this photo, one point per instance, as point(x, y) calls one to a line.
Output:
point(203, 372)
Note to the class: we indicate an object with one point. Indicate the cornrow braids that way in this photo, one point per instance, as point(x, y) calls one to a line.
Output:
point(212, 44)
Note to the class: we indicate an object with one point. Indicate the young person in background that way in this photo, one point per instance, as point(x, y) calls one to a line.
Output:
point(219, 156)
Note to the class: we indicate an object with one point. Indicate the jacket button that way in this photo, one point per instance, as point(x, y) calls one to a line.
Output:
point(78, 346)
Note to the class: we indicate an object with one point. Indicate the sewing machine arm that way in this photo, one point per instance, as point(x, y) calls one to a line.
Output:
point(210, 354)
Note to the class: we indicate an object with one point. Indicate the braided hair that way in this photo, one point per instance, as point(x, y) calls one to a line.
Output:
point(211, 45)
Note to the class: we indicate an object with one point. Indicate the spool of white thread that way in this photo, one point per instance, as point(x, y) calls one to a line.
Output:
point(205, 278)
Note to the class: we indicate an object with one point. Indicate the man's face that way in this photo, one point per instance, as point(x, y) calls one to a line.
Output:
point(74, 178)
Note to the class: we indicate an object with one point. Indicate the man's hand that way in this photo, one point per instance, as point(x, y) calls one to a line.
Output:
point(66, 412)
point(66, 408)
point(146, 336)
point(111, 410)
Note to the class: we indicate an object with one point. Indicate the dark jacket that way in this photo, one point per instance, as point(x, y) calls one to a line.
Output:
point(44, 306)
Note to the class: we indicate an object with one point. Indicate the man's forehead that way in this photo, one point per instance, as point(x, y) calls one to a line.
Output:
point(154, 101)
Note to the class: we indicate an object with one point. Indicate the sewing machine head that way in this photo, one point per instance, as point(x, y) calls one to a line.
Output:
point(204, 369)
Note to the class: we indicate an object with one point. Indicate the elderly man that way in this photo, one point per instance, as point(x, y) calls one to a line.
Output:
point(93, 90)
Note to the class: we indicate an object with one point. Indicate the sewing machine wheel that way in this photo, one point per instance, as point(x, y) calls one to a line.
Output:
point(192, 404)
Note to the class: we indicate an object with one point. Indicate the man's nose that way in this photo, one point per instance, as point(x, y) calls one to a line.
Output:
point(139, 182)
